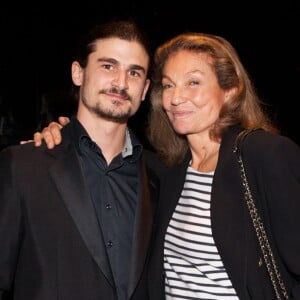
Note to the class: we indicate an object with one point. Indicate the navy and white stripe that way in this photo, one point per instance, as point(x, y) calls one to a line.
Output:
point(193, 266)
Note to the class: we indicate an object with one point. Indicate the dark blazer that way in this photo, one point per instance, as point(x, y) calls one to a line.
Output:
point(51, 246)
point(273, 166)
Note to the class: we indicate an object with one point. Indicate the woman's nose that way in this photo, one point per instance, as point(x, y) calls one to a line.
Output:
point(178, 97)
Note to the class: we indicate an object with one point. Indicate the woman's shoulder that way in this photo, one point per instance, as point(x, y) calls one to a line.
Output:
point(265, 140)
point(264, 146)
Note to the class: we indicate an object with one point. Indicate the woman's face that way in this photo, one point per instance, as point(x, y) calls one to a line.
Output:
point(191, 97)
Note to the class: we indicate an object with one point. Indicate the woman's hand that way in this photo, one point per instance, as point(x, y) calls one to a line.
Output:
point(50, 134)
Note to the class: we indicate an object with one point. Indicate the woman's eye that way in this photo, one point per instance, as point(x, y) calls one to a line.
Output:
point(166, 86)
point(194, 82)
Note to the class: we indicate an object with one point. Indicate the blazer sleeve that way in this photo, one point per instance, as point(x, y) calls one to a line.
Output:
point(10, 223)
point(277, 179)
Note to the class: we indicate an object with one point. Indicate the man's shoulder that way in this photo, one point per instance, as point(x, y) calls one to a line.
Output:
point(154, 162)
point(28, 152)
point(151, 156)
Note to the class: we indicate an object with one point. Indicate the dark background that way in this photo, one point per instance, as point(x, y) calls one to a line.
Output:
point(37, 43)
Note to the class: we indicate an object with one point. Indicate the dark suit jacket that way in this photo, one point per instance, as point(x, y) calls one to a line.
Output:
point(273, 166)
point(51, 246)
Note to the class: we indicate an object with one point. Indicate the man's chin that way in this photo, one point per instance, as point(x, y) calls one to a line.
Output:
point(116, 118)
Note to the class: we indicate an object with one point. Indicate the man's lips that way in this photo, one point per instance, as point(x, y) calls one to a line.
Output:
point(117, 97)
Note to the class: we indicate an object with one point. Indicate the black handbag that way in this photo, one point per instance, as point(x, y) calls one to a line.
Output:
point(272, 267)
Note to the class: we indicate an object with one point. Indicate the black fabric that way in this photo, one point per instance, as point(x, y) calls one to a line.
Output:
point(114, 191)
point(274, 168)
point(51, 243)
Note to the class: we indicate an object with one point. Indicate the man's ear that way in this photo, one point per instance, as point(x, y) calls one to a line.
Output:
point(77, 73)
point(146, 88)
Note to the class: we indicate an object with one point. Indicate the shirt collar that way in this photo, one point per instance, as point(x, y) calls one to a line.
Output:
point(132, 147)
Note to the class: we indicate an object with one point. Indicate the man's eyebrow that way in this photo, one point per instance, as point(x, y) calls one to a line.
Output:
point(116, 62)
point(137, 67)
point(108, 59)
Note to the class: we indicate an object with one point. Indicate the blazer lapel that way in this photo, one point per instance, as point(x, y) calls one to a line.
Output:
point(67, 175)
point(229, 214)
point(172, 190)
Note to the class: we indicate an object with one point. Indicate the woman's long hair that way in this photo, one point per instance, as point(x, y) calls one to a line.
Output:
point(244, 108)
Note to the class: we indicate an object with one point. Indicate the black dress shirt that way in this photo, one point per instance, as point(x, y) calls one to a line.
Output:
point(114, 190)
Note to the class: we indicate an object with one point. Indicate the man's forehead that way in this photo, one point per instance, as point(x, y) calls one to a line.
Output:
point(125, 51)
point(115, 43)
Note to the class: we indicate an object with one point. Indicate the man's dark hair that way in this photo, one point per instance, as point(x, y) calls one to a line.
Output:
point(123, 29)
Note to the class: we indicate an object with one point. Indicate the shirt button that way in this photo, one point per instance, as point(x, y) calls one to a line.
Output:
point(108, 206)
point(109, 244)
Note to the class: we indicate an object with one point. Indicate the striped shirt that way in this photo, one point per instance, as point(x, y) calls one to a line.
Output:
point(193, 266)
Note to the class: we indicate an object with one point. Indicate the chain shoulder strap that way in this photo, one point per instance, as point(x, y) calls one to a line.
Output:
point(273, 270)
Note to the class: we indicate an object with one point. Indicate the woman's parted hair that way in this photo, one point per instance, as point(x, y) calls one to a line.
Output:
point(244, 108)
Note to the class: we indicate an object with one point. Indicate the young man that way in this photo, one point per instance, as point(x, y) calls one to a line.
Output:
point(75, 221)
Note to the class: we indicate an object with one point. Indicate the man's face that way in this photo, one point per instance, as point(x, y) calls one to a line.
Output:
point(114, 82)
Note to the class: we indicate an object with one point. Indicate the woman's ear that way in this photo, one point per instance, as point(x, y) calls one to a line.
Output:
point(229, 94)
point(77, 73)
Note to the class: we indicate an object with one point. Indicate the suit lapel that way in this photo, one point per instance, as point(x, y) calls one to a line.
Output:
point(67, 175)
point(148, 194)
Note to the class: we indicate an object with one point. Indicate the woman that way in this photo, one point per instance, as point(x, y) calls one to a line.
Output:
point(205, 245)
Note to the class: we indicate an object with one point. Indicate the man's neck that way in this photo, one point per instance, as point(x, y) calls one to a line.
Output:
point(108, 135)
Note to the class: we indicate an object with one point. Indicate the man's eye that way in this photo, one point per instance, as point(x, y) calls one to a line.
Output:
point(107, 67)
point(134, 73)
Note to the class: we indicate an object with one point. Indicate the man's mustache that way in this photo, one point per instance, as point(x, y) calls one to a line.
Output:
point(123, 93)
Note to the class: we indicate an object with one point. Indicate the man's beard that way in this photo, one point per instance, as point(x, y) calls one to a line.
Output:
point(111, 114)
